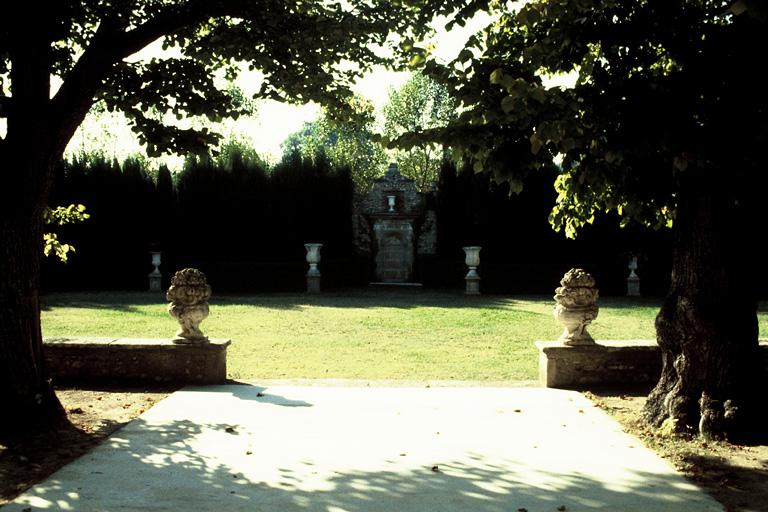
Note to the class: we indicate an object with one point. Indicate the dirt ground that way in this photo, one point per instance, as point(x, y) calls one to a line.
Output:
point(93, 414)
point(735, 475)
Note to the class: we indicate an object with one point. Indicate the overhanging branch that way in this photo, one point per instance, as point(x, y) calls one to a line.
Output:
point(110, 45)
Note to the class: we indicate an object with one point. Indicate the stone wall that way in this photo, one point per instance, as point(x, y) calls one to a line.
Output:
point(608, 363)
point(135, 361)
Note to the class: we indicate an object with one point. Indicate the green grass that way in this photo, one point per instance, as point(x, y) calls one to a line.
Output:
point(378, 334)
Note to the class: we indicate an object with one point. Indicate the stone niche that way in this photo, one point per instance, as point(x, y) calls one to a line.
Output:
point(392, 227)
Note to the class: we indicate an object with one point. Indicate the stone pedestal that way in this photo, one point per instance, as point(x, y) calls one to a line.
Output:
point(633, 286)
point(313, 284)
point(633, 281)
point(313, 274)
point(472, 285)
point(155, 283)
point(472, 260)
point(155, 277)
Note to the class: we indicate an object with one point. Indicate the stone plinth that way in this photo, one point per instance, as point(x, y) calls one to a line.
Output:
point(472, 285)
point(605, 363)
point(313, 284)
point(633, 286)
point(608, 363)
point(137, 361)
point(155, 283)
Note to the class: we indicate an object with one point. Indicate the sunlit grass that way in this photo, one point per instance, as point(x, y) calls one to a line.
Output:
point(378, 334)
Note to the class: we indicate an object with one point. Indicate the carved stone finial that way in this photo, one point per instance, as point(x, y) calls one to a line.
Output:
point(188, 297)
point(576, 306)
point(393, 172)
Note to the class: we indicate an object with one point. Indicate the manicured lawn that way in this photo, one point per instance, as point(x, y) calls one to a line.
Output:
point(366, 334)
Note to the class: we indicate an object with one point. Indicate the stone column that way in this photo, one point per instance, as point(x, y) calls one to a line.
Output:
point(313, 274)
point(472, 279)
point(155, 277)
point(633, 281)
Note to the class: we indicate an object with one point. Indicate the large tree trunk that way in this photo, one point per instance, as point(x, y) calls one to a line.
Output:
point(26, 395)
point(27, 154)
point(707, 326)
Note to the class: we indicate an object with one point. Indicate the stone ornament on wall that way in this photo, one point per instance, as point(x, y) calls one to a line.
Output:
point(576, 306)
point(188, 297)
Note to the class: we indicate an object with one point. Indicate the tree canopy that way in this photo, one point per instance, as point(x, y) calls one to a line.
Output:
point(419, 104)
point(60, 57)
point(346, 143)
point(664, 124)
point(90, 47)
point(659, 89)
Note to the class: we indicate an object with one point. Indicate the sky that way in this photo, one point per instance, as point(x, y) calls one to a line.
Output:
point(273, 121)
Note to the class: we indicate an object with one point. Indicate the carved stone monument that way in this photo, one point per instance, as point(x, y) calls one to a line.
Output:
point(633, 281)
point(313, 274)
point(472, 278)
point(392, 227)
point(155, 277)
point(576, 306)
point(188, 297)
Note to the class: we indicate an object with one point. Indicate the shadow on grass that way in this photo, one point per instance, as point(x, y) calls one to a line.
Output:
point(355, 298)
point(402, 298)
point(352, 298)
point(118, 301)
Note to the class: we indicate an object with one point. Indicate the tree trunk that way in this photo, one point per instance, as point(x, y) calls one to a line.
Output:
point(27, 154)
point(707, 326)
point(26, 394)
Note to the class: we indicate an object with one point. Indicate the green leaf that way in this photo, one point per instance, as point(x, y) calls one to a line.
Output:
point(417, 60)
point(496, 76)
point(535, 143)
point(465, 55)
point(508, 104)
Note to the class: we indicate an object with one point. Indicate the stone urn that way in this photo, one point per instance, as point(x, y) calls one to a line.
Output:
point(576, 306)
point(188, 297)
point(391, 203)
point(313, 274)
point(155, 277)
point(313, 258)
point(633, 280)
point(472, 279)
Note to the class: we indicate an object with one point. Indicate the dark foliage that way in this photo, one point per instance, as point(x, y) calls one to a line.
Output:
point(244, 227)
point(522, 254)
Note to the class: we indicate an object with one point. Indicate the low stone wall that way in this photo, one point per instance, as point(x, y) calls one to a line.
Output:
point(135, 361)
point(609, 363)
